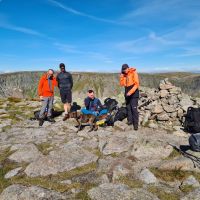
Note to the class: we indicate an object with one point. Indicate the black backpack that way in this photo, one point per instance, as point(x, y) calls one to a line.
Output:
point(194, 141)
point(192, 120)
point(110, 104)
point(121, 114)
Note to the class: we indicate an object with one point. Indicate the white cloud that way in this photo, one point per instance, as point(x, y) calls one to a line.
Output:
point(76, 12)
point(8, 26)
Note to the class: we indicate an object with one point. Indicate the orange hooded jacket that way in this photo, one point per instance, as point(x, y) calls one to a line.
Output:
point(130, 81)
point(44, 88)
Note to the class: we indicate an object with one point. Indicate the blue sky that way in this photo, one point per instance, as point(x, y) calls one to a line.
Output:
point(100, 35)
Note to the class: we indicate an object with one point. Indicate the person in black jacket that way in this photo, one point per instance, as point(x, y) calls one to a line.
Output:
point(65, 85)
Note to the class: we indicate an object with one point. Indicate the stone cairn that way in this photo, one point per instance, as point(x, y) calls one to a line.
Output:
point(165, 106)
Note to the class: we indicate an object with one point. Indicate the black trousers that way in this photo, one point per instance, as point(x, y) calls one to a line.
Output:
point(132, 111)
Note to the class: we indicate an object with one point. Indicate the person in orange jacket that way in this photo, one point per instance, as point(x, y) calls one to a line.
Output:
point(129, 79)
point(46, 94)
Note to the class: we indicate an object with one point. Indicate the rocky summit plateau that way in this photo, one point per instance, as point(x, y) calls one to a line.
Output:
point(55, 162)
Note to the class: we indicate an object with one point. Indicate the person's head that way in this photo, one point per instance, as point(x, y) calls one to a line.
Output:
point(50, 72)
point(91, 94)
point(124, 69)
point(62, 67)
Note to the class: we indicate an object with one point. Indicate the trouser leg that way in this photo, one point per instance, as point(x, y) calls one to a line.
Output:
point(45, 103)
point(129, 110)
point(134, 110)
point(50, 106)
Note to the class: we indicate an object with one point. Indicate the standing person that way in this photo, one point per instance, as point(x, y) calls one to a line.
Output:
point(65, 84)
point(129, 79)
point(46, 94)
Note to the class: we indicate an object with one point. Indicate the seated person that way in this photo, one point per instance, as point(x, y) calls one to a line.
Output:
point(93, 105)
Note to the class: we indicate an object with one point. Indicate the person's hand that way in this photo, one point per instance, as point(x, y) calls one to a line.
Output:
point(41, 97)
point(128, 94)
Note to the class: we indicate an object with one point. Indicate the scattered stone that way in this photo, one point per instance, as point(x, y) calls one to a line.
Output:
point(163, 93)
point(3, 111)
point(190, 181)
point(194, 195)
point(162, 117)
point(146, 118)
point(157, 109)
point(12, 173)
point(175, 90)
point(68, 182)
point(121, 125)
point(147, 177)
point(169, 109)
point(104, 179)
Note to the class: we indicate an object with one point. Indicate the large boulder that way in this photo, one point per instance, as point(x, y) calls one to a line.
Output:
point(19, 192)
point(116, 144)
point(157, 109)
point(71, 157)
point(25, 153)
point(109, 191)
point(144, 152)
point(186, 102)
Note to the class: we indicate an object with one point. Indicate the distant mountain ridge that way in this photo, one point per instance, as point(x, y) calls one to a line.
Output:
point(24, 84)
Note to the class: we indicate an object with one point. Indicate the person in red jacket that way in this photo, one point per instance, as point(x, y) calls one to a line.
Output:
point(129, 79)
point(46, 94)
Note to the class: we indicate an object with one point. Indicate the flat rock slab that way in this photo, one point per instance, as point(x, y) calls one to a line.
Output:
point(182, 163)
point(115, 144)
point(144, 152)
point(26, 153)
point(71, 157)
point(19, 192)
point(109, 191)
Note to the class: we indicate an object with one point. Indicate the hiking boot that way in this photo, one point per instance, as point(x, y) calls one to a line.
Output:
point(129, 123)
point(135, 127)
point(66, 117)
point(50, 119)
point(41, 121)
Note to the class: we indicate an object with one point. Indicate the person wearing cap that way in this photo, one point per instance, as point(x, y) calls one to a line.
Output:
point(130, 81)
point(46, 94)
point(65, 85)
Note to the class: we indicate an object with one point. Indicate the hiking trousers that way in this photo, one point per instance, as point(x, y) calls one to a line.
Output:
point(47, 106)
point(132, 111)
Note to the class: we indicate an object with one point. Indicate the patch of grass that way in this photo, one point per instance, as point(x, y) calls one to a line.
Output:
point(173, 175)
point(132, 183)
point(44, 148)
point(14, 99)
point(6, 167)
point(187, 188)
point(170, 175)
point(52, 182)
point(45, 182)
point(5, 154)
point(6, 128)
point(76, 172)
point(173, 154)
point(83, 194)
point(163, 195)
point(114, 155)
